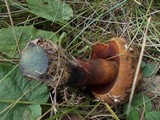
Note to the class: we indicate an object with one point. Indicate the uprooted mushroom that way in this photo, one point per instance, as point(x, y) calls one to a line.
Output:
point(109, 73)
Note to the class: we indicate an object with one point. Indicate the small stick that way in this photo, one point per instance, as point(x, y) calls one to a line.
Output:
point(138, 66)
point(111, 111)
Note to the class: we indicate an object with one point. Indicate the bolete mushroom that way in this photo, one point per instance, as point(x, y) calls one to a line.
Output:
point(126, 59)
point(109, 73)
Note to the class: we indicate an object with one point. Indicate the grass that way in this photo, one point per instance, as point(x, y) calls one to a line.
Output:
point(95, 21)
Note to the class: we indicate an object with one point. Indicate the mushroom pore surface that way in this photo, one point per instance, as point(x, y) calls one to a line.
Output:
point(126, 58)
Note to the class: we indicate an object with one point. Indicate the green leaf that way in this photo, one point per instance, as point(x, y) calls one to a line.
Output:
point(24, 35)
point(14, 88)
point(133, 114)
point(154, 115)
point(138, 103)
point(22, 112)
point(143, 64)
point(140, 100)
point(53, 10)
point(148, 70)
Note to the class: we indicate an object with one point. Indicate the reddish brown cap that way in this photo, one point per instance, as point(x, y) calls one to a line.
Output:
point(126, 57)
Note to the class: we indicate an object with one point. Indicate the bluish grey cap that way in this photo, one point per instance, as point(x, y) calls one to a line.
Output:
point(33, 61)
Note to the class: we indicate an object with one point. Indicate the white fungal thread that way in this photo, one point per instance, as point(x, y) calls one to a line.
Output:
point(114, 97)
point(131, 49)
point(98, 99)
point(38, 72)
point(35, 41)
point(126, 46)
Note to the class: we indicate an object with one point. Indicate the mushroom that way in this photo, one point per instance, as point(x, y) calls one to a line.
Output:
point(126, 59)
point(109, 73)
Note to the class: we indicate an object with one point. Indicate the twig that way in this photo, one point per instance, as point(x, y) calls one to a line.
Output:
point(138, 66)
point(111, 111)
point(12, 25)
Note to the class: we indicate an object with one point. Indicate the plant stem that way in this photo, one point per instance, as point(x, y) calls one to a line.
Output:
point(111, 111)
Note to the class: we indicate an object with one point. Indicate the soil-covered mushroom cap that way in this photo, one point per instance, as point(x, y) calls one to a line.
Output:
point(45, 61)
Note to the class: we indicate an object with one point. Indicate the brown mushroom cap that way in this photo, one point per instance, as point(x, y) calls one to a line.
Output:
point(126, 58)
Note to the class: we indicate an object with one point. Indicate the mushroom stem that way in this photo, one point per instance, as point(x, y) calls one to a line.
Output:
point(93, 72)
